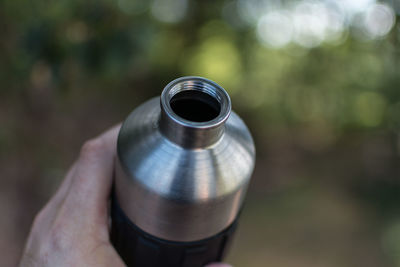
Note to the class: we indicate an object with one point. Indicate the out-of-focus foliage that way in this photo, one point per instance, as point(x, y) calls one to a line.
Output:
point(345, 81)
point(318, 82)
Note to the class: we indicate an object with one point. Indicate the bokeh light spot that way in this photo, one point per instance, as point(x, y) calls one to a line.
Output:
point(379, 20)
point(275, 29)
point(310, 21)
point(169, 11)
point(251, 11)
point(218, 59)
point(355, 6)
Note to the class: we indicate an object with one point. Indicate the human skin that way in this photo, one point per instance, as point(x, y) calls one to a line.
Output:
point(72, 229)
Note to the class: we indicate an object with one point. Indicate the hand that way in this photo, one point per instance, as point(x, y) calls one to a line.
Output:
point(72, 229)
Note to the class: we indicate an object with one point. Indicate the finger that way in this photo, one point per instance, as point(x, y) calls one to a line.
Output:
point(91, 182)
point(63, 189)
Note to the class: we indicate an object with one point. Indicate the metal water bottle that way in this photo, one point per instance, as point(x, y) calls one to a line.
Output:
point(184, 161)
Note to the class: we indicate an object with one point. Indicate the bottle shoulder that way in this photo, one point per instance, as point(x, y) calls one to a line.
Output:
point(154, 162)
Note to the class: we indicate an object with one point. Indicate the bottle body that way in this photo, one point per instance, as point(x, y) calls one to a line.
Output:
point(181, 176)
point(138, 248)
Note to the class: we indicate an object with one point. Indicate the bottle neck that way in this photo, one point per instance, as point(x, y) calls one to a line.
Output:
point(186, 136)
point(193, 112)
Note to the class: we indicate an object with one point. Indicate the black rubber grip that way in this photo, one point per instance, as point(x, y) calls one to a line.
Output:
point(140, 249)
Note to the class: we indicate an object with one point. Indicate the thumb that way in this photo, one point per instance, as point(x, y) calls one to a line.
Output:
point(92, 180)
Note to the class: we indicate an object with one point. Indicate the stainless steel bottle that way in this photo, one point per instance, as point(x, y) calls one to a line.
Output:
point(183, 165)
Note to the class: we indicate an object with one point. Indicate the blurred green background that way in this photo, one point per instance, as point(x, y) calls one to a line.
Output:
point(316, 81)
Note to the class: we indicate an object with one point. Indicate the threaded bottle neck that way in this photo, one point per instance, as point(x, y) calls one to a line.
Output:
point(193, 112)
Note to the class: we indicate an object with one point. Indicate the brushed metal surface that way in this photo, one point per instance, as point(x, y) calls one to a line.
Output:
point(182, 180)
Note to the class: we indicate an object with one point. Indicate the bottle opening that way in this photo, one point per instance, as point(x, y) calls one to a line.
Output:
point(191, 102)
point(196, 106)
point(193, 111)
